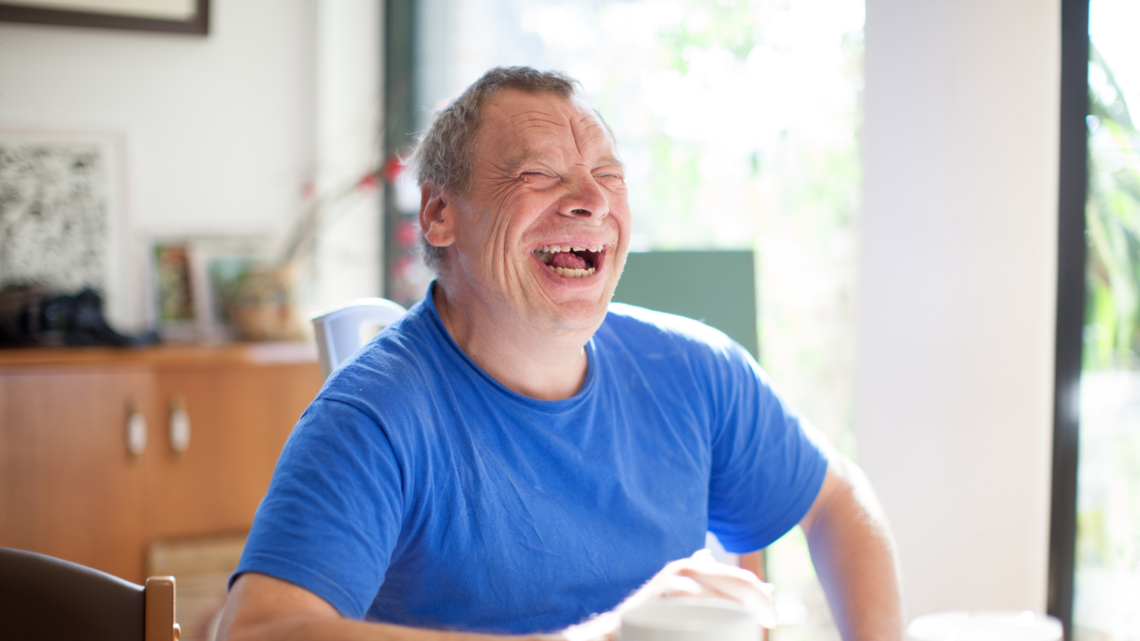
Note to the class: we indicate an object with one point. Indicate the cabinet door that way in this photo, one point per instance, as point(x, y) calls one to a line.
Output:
point(239, 417)
point(68, 486)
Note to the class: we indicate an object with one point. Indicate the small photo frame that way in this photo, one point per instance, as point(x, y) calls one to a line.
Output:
point(196, 281)
point(176, 313)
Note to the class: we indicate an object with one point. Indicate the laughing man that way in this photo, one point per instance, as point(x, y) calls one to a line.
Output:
point(517, 456)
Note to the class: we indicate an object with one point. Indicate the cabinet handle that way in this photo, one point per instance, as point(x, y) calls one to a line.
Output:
point(136, 430)
point(179, 425)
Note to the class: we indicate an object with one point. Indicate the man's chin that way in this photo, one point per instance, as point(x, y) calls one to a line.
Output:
point(577, 305)
point(581, 315)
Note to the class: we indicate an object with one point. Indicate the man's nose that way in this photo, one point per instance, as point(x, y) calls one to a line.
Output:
point(584, 198)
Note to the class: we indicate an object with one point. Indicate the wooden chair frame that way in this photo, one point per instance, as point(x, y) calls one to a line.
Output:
point(45, 598)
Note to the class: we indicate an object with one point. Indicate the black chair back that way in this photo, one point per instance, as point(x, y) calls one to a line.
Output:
point(44, 598)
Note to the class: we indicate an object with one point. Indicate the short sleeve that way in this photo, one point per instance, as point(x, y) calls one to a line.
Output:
point(767, 464)
point(332, 515)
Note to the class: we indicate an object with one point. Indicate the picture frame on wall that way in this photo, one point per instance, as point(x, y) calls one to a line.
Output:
point(64, 220)
point(190, 17)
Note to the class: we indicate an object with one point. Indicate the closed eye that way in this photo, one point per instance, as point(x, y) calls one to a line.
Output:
point(610, 178)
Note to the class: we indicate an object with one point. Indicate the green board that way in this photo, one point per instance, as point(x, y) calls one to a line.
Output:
point(716, 287)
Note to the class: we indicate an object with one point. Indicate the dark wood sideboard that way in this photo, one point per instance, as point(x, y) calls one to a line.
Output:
point(70, 487)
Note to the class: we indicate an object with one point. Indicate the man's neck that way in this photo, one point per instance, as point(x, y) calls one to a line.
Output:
point(532, 361)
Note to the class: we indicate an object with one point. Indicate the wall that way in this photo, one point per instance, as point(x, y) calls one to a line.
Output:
point(223, 133)
point(957, 288)
point(347, 260)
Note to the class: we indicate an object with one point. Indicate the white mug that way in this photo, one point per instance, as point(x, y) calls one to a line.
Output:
point(689, 619)
point(984, 626)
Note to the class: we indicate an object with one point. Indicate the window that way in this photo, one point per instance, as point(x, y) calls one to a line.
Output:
point(1107, 561)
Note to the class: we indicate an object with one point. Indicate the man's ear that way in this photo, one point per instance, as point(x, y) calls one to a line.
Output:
point(437, 216)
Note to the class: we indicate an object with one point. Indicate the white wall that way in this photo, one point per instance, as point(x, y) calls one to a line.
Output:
point(347, 258)
point(957, 289)
point(223, 132)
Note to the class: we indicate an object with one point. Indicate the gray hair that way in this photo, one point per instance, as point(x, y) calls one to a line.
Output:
point(446, 151)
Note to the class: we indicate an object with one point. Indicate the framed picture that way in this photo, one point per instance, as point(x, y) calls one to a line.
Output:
point(175, 310)
point(196, 282)
point(175, 16)
point(63, 221)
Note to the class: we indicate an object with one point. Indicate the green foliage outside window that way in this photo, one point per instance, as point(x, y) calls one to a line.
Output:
point(1107, 573)
point(1112, 323)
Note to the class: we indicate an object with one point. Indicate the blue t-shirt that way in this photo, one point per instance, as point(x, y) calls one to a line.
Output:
point(418, 490)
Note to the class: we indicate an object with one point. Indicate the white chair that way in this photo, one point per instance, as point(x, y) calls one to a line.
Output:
point(339, 331)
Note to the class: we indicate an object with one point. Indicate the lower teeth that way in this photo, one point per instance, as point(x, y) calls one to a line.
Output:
point(573, 273)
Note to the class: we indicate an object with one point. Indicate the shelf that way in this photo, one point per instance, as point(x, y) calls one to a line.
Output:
point(236, 353)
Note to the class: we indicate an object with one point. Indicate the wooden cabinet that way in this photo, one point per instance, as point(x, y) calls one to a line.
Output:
point(70, 488)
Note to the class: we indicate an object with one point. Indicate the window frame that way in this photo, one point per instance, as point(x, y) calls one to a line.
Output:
point(1071, 262)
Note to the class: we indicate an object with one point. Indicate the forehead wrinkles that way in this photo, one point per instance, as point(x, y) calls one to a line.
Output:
point(534, 128)
point(516, 132)
point(501, 135)
point(588, 130)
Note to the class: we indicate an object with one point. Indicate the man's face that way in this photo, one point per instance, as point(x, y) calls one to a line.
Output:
point(544, 228)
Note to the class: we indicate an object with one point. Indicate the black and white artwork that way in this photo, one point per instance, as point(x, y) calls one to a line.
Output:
point(61, 223)
point(53, 214)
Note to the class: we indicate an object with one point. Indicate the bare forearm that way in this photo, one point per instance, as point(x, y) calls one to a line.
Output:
point(262, 608)
point(854, 557)
point(329, 629)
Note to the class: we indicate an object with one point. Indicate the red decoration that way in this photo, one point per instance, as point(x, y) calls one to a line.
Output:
point(393, 167)
point(408, 233)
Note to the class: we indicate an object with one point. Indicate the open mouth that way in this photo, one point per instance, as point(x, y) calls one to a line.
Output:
point(571, 262)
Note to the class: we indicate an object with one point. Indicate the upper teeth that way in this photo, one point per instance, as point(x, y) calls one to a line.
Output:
point(554, 249)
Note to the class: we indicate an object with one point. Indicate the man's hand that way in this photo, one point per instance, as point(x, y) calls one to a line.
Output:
point(699, 575)
point(854, 555)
